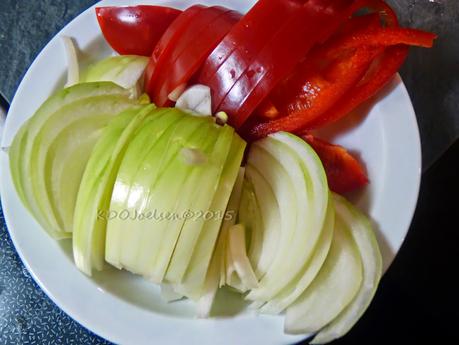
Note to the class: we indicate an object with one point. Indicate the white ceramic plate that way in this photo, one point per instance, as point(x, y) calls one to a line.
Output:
point(126, 309)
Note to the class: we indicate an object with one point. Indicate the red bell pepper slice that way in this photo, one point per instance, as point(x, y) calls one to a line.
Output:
point(134, 30)
point(234, 54)
point(385, 67)
point(313, 23)
point(388, 37)
point(160, 54)
point(312, 91)
point(291, 88)
point(308, 102)
point(344, 172)
point(191, 50)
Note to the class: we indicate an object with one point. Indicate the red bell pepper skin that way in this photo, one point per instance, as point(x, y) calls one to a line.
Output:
point(386, 66)
point(192, 49)
point(312, 91)
point(388, 37)
point(235, 53)
point(134, 30)
point(344, 172)
point(308, 101)
point(313, 23)
point(290, 88)
point(160, 54)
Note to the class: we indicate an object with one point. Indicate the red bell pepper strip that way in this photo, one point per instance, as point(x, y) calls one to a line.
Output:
point(306, 99)
point(312, 91)
point(134, 30)
point(160, 54)
point(336, 45)
point(385, 68)
point(314, 22)
point(189, 53)
point(344, 172)
point(233, 56)
point(290, 88)
point(387, 37)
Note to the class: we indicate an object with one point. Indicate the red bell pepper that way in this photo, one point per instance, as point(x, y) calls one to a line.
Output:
point(388, 37)
point(313, 23)
point(308, 101)
point(312, 91)
point(385, 67)
point(290, 88)
point(160, 54)
point(344, 172)
point(234, 54)
point(134, 29)
point(191, 50)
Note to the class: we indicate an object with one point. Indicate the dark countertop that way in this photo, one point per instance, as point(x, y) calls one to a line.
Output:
point(417, 299)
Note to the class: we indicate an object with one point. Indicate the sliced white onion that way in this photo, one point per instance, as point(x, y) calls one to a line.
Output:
point(196, 99)
point(193, 156)
point(239, 256)
point(205, 302)
point(228, 222)
point(367, 244)
point(73, 69)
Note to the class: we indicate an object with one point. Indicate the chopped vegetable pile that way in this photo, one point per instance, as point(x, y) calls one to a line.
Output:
point(284, 66)
point(230, 187)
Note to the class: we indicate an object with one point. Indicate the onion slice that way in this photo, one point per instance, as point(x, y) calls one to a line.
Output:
point(73, 69)
point(239, 256)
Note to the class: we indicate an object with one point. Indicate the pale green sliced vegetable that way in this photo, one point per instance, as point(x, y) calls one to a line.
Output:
point(50, 109)
point(96, 187)
point(183, 204)
point(235, 283)
point(249, 215)
point(73, 68)
point(239, 256)
point(123, 70)
point(140, 199)
point(310, 270)
point(134, 175)
point(229, 220)
point(269, 223)
point(171, 196)
point(94, 110)
point(365, 239)
point(202, 252)
point(66, 160)
point(197, 100)
point(210, 286)
point(15, 155)
point(284, 190)
point(332, 290)
point(206, 198)
point(215, 274)
point(307, 175)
